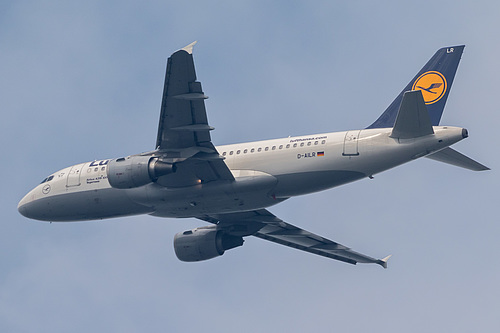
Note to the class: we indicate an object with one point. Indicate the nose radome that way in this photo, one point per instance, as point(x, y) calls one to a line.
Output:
point(34, 208)
point(22, 206)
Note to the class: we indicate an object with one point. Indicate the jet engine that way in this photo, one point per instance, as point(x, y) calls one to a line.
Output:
point(204, 243)
point(135, 171)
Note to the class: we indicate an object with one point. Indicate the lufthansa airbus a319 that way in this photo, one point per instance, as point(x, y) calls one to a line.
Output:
point(231, 186)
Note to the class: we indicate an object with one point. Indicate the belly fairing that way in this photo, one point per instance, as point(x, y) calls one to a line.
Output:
point(250, 190)
point(310, 182)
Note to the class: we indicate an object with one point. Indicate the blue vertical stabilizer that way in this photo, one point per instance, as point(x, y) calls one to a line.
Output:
point(434, 80)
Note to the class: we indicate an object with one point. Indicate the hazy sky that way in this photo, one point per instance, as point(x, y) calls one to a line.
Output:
point(83, 80)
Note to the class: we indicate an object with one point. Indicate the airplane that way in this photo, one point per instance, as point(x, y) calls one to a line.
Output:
point(231, 186)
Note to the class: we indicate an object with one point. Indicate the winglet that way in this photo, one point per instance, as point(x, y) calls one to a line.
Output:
point(189, 48)
point(383, 262)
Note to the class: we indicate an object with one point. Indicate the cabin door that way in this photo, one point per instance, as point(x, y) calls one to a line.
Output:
point(351, 143)
point(74, 175)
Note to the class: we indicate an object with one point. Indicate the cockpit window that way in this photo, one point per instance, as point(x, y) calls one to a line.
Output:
point(48, 179)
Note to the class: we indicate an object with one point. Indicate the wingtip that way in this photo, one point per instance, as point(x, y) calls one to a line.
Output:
point(189, 48)
point(383, 262)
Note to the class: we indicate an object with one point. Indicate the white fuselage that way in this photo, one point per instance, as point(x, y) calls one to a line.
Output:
point(265, 172)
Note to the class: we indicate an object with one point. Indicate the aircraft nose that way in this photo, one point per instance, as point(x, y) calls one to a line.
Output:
point(41, 208)
point(23, 206)
point(23, 210)
point(29, 207)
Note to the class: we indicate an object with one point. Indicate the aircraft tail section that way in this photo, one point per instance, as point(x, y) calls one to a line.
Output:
point(434, 80)
point(453, 157)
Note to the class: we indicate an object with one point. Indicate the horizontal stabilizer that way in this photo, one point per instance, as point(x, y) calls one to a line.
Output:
point(453, 157)
point(413, 119)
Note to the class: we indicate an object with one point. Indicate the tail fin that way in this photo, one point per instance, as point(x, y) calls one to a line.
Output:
point(434, 80)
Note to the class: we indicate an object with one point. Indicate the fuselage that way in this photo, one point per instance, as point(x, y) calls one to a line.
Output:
point(265, 172)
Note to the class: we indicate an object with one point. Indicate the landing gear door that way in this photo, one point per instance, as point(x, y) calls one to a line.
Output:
point(351, 143)
point(74, 175)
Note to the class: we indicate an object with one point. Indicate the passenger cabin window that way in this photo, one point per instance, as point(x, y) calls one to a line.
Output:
point(259, 150)
point(294, 145)
point(309, 143)
point(238, 151)
point(224, 154)
point(323, 142)
point(302, 144)
point(252, 150)
point(231, 152)
point(266, 149)
point(245, 151)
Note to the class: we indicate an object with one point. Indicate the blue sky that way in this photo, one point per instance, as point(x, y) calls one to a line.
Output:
point(83, 80)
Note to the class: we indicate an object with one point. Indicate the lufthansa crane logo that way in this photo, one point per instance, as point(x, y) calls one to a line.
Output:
point(46, 189)
point(433, 86)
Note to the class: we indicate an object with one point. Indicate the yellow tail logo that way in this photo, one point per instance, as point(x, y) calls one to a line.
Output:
point(433, 86)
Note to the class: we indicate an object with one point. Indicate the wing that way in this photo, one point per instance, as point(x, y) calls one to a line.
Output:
point(183, 131)
point(263, 224)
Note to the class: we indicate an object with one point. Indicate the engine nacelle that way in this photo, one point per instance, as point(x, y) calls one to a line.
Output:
point(135, 171)
point(204, 243)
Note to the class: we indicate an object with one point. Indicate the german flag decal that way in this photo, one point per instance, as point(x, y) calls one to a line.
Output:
point(320, 153)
